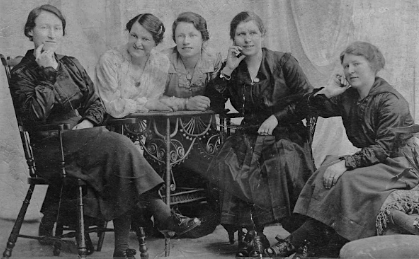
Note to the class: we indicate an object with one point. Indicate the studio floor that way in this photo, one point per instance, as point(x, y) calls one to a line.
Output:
point(214, 245)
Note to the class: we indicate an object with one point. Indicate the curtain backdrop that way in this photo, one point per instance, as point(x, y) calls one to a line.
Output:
point(314, 31)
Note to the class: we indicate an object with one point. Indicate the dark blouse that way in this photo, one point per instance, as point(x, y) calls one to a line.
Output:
point(281, 84)
point(48, 96)
point(368, 122)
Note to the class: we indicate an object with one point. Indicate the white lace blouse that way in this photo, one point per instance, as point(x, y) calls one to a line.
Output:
point(124, 90)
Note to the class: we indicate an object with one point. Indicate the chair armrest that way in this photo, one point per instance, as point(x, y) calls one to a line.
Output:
point(121, 121)
point(226, 114)
point(61, 127)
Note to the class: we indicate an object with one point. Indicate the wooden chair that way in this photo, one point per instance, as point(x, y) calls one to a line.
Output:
point(78, 227)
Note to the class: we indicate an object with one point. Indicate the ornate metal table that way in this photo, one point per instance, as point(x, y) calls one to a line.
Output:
point(155, 132)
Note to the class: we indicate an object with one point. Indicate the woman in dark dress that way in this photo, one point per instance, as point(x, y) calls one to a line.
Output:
point(343, 198)
point(265, 164)
point(48, 88)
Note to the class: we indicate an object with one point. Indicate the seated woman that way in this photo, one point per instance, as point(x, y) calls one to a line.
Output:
point(193, 65)
point(51, 88)
point(262, 167)
point(344, 196)
point(132, 77)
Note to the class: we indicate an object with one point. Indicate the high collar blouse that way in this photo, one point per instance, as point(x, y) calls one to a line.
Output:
point(48, 95)
point(205, 70)
point(125, 90)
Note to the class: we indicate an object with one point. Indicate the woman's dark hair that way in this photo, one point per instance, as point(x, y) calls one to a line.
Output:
point(30, 23)
point(151, 23)
point(197, 20)
point(368, 51)
point(245, 17)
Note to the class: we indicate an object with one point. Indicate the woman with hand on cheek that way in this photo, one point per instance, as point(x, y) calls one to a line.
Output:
point(49, 88)
point(344, 196)
point(263, 166)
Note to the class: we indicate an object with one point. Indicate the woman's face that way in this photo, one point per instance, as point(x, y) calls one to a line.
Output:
point(140, 42)
point(188, 39)
point(358, 71)
point(249, 38)
point(48, 30)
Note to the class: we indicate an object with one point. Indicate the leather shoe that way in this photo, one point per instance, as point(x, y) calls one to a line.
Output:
point(245, 243)
point(259, 244)
point(179, 224)
point(283, 248)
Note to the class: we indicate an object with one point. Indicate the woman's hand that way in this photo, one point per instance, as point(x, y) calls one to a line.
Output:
point(45, 58)
point(268, 126)
point(157, 105)
point(333, 173)
point(198, 103)
point(83, 125)
point(232, 60)
point(337, 87)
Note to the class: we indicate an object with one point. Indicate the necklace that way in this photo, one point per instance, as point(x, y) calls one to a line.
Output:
point(137, 74)
point(189, 72)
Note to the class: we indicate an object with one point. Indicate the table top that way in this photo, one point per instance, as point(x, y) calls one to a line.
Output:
point(162, 114)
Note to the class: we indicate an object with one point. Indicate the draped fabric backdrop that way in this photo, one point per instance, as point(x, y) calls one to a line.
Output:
point(314, 31)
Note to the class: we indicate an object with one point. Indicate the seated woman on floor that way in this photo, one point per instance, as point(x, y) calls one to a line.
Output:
point(49, 88)
point(344, 196)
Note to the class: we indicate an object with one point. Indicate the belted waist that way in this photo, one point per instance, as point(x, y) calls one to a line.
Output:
point(72, 118)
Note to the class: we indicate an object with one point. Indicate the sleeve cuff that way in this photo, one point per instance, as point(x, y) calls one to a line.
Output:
point(350, 162)
point(48, 74)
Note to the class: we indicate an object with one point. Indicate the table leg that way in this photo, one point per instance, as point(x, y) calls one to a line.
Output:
point(167, 180)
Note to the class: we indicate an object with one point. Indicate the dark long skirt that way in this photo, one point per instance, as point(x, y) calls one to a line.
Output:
point(114, 169)
point(260, 177)
point(351, 206)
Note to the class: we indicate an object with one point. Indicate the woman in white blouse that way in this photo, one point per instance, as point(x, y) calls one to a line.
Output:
point(132, 77)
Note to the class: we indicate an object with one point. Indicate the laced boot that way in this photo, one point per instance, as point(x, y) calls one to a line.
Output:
point(283, 248)
point(259, 244)
point(179, 225)
point(127, 254)
point(244, 243)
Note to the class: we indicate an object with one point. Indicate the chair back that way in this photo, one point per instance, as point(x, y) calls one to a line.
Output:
point(8, 64)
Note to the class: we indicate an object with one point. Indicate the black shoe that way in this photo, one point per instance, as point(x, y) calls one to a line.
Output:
point(259, 244)
point(179, 224)
point(281, 249)
point(245, 243)
point(127, 254)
